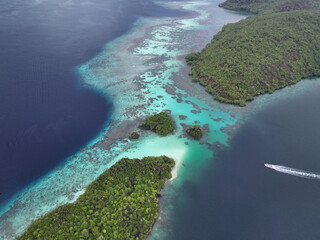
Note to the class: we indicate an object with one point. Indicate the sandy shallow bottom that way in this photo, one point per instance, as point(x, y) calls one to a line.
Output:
point(144, 73)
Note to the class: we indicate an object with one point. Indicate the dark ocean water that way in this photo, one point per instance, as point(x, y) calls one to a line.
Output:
point(238, 198)
point(45, 114)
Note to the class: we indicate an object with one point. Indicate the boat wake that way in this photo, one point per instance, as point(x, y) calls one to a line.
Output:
point(293, 171)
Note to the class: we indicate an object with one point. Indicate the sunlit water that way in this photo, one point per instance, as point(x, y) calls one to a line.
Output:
point(294, 172)
point(46, 112)
point(237, 197)
point(144, 72)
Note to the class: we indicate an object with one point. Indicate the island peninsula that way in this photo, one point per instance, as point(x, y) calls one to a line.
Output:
point(269, 6)
point(259, 54)
point(122, 203)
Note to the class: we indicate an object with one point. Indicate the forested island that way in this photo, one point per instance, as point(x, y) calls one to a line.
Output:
point(254, 56)
point(160, 123)
point(268, 6)
point(195, 131)
point(122, 203)
point(134, 136)
point(259, 55)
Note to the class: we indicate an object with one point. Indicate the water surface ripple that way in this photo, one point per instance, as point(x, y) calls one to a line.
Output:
point(144, 72)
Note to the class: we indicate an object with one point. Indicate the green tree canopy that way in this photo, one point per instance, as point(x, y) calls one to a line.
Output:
point(259, 55)
point(122, 203)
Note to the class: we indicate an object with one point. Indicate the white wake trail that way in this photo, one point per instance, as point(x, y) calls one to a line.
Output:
point(293, 171)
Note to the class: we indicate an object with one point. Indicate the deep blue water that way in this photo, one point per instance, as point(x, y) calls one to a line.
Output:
point(240, 199)
point(45, 114)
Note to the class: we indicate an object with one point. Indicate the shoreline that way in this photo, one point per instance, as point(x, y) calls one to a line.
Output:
point(144, 66)
point(109, 144)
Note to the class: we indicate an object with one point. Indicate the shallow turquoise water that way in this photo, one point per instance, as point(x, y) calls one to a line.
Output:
point(237, 197)
point(144, 72)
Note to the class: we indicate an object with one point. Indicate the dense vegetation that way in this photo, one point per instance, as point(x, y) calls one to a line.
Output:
point(160, 123)
point(121, 204)
point(134, 135)
point(268, 6)
point(195, 131)
point(259, 54)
